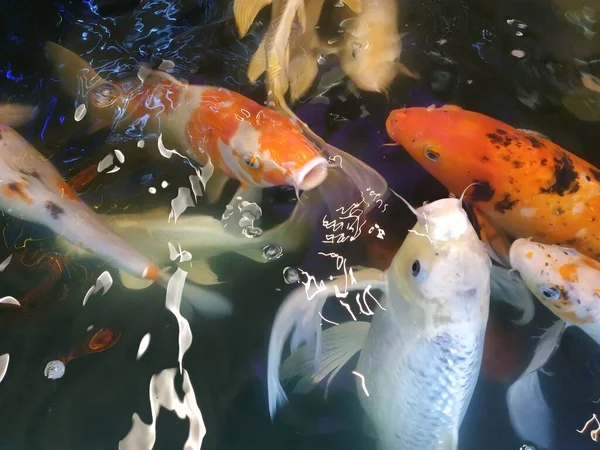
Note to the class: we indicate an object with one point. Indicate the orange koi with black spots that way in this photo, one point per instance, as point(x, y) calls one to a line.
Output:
point(527, 185)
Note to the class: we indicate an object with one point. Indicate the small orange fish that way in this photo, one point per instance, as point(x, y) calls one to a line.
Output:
point(95, 342)
point(527, 185)
point(254, 144)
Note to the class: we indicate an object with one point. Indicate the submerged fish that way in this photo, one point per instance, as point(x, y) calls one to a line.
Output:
point(256, 145)
point(31, 189)
point(203, 237)
point(421, 354)
point(527, 185)
point(568, 284)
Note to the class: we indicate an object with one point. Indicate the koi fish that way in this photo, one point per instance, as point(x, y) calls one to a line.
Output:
point(31, 189)
point(203, 237)
point(256, 145)
point(557, 205)
point(420, 356)
point(568, 284)
point(95, 342)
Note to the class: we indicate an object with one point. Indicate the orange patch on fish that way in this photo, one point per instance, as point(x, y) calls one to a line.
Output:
point(529, 255)
point(67, 191)
point(17, 190)
point(568, 272)
point(152, 273)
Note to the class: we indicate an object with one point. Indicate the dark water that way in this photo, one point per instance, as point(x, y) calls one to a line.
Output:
point(91, 406)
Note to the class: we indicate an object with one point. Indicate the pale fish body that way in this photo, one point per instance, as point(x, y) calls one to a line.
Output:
point(31, 189)
point(421, 354)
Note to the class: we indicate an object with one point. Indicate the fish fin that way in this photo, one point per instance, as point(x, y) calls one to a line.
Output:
point(496, 242)
point(339, 344)
point(300, 317)
point(355, 5)
point(529, 412)
point(16, 114)
point(549, 343)
point(401, 68)
point(215, 186)
point(506, 288)
point(449, 441)
point(201, 273)
point(258, 62)
point(83, 178)
point(134, 283)
point(302, 73)
point(245, 12)
point(533, 133)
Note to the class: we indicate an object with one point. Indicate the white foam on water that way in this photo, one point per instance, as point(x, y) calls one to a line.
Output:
point(5, 263)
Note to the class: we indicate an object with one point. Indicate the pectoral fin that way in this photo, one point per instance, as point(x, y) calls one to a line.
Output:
point(299, 316)
point(258, 63)
point(245, 12)
point(339, 344)
point(549, 343)
point(496, 242)
point(302, 72)
point(201, 273)
point(401, 68)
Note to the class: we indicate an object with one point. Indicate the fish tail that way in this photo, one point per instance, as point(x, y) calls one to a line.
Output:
point(16, 114)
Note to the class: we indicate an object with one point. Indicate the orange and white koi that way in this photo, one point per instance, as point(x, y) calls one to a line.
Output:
point(32, 189)
point(568, 284)
point(256, 145)
point(528, 186)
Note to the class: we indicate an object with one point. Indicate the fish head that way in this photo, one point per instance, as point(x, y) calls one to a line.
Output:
point(442, 266)
point(446, 141)
point(563, 280)
point(270, 150)
point(372, 50)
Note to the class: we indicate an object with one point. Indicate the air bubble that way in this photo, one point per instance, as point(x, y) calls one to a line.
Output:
point(251, 232)
point(291, 275)
point(54, 370)
point(271, 252)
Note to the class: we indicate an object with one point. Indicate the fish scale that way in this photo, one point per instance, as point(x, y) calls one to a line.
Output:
point(433, 380)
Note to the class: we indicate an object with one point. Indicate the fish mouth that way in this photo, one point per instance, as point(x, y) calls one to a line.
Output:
point(311, 174)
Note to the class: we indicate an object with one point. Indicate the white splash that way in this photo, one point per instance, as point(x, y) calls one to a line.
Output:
point(120, 156)
point(143, 73)
point(104, 282)
point(173, 302)
point(163, 394)
point(114, 169)
point(182, 255)
point(141, 143)
point(166, 65)
point(180, 203)
point(105, 163)
point(5, 263)
point(152, 190)
point(80, 112)
point(362, 379)
point(89, 328)
point(8, 300)
point(164, 150)
point(4, 360)
point(144, 343)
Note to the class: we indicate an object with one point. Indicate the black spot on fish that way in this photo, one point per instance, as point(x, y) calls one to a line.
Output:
point(517, 164)
point(485, 158)
point(496, 139)
point(35, 174)
point(534, 142)
point(588, 178)
point(506, 204)
point(500, 131)
point(544, 161)
point(559, 211)
point(571, 241)
point(55, 210)
point(482, 192)
point(565, 177)
point(595, 174)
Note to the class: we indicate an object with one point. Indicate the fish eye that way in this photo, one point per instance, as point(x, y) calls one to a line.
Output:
point(104, 95)
point(252, 161)
point(550, 292)
point(416, 268)
point(431, 154)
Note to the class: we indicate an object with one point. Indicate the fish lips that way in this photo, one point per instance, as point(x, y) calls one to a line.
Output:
point(311, 174)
